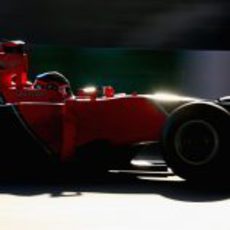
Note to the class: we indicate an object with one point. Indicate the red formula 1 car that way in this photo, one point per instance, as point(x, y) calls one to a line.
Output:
point(45, 122)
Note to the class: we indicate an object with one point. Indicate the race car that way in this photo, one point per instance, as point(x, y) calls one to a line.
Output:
point(44, 124)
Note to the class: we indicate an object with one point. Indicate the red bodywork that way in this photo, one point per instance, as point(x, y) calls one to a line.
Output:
point(66, 122)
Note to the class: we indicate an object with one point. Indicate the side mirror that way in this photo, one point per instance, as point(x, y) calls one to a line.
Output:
point(108, 91)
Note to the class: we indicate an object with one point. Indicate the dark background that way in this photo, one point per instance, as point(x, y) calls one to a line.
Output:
point(165, 24)
point(134, 45)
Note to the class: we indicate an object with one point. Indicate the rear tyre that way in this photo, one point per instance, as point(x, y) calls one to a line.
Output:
point(195, 142)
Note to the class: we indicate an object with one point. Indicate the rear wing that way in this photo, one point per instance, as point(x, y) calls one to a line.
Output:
point(12, 47)
point(13, 64)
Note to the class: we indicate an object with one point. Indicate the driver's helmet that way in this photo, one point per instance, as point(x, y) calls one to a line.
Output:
point(53, 81)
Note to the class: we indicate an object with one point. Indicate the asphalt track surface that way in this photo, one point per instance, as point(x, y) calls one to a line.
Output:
point(117, 202)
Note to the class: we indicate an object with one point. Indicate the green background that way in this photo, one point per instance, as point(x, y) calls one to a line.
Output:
point(127, 70)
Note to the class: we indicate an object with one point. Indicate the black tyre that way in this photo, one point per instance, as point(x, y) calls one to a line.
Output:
point(195, 142)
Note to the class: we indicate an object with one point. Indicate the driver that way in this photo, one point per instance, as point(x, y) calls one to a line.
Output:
point(53, 80)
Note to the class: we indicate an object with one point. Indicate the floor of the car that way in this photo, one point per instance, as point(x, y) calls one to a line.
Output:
point(147, 162)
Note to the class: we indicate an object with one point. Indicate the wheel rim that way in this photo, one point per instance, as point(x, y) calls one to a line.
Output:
point(196, 142)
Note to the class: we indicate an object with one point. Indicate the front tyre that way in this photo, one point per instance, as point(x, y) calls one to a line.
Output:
point(195, 142)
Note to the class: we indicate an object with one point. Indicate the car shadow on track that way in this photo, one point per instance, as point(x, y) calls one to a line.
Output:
point(171, 188)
